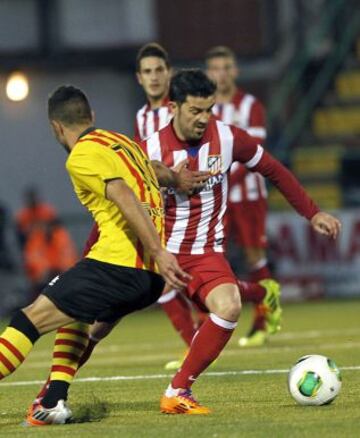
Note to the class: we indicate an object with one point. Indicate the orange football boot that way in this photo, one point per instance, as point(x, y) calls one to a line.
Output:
point(182, 403)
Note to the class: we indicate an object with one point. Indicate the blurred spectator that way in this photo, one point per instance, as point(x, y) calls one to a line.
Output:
point(34, 213)
point(6, 262)
point(48, 251)
point(47, 248)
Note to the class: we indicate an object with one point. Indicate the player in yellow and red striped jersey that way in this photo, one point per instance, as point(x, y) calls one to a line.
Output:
point(114, 180)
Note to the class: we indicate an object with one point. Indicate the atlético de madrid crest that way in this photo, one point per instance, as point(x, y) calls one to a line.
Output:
point(214, 164)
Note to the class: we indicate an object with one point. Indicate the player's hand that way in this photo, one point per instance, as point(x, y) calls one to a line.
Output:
point(327, 224)
point(170, 270)
point(188, 181)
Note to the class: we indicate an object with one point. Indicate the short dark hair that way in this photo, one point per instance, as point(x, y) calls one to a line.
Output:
point(219, 52)
point(69, 105)
point(152, 49)
point(190, 82)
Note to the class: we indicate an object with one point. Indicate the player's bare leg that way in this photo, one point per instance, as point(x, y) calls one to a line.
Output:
point(224, 304)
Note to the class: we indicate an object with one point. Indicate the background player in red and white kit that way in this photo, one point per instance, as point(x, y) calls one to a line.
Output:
point(247, 207)
point(153, 72)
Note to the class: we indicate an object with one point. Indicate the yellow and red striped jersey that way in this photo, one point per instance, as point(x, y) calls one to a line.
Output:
point(98, 157)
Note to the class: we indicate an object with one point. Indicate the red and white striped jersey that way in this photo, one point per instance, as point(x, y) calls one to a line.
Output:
point(150, 120)
point(245, 112)
point(195, 224)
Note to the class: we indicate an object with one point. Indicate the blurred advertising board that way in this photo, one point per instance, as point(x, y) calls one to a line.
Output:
point(310, 265)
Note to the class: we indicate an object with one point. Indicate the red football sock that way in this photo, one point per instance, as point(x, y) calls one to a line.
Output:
point(178, 310)
point(259, 318)
point(251, 292)
point(260, 271)
point(206, 346)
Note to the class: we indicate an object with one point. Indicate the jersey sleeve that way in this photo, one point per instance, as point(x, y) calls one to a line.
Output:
point(93, 167)
point(287, 184)
point(255, 158)
point(246, 149)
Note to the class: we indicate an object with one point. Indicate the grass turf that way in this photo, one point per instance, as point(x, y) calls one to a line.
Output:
point(244, 405)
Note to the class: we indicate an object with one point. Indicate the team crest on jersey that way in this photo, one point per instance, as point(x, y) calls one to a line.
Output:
point(214, 164)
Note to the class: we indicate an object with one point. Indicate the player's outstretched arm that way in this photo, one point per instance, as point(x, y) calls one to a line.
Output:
point(139, 221)
point(296, 195)
point(256, 159)
point(180, 178)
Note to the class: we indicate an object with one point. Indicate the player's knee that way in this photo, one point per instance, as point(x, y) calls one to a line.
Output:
point(228, 307)
point(45, 316)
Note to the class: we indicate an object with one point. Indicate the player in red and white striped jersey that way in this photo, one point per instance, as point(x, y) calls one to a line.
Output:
point(194, 224)
point(247, 207)
point(153, 73)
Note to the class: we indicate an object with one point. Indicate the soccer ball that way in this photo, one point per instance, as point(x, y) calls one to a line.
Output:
point(314, 380)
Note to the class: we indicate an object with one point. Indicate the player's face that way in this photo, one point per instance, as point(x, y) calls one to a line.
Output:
point(192, 116)
point(154, 77)
point(58, 132)
point(223, 71)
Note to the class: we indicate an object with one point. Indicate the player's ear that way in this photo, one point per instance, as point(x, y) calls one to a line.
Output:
point(56, 126)
point(93, 117)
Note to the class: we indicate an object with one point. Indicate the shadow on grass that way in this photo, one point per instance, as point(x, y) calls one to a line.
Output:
point(95, 410)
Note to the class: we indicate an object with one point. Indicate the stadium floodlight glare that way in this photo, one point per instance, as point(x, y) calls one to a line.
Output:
point(17, 87)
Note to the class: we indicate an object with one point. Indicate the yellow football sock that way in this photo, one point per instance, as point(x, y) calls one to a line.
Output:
point(70, 343)
point(14, 347)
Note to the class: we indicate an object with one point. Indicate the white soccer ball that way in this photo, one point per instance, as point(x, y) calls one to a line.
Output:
point(314, 380)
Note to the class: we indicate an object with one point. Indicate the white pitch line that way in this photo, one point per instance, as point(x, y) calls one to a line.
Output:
point(310, 334)
point(167, 376)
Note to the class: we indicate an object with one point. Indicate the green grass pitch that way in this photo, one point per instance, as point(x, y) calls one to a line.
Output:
point(254, 404)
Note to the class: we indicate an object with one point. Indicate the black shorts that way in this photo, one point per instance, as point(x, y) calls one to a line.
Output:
point(97, 291)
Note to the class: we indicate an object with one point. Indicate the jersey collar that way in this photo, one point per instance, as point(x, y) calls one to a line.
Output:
point(86, 132)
